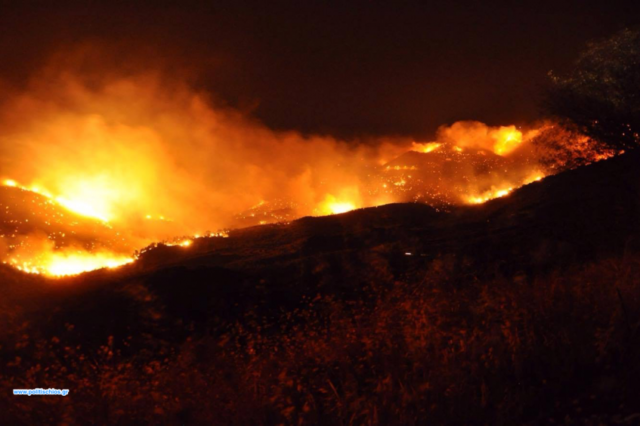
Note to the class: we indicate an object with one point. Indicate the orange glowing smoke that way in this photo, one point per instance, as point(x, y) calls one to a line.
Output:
point(153, 160)
point(507, 139)
point(138, 149)
point(502, 140)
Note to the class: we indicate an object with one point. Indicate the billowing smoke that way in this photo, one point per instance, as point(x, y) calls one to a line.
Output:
point(502, 140)
point(141, 151)
point(153, 159)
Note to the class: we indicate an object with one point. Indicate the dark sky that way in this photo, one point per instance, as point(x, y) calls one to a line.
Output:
point(337, 67)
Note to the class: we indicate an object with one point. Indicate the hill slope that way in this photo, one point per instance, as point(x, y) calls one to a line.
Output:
point(519, 310)
point(575, 216)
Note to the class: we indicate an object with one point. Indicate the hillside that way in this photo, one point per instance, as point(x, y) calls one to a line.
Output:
point(24, 214)
point(519, 310)
point(445, 175)
point(575, 216)
point(37, 234)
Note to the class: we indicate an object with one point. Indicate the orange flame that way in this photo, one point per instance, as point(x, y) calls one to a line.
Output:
point(332, 205)
point(65, 263)
point(425, 148)
point(156, 161)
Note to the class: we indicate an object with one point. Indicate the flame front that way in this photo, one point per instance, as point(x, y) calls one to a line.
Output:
point(59, 264)
point(501, 192)
point(144, 162)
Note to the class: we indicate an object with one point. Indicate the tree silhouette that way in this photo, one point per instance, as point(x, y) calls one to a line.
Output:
point(601, 96)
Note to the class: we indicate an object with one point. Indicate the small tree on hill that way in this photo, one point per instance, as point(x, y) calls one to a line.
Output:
point(601, 96)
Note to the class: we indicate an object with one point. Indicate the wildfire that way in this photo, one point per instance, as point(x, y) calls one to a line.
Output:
point(83, 203)
point(332, 205)
point(183, 243)
point(337, 208)
point(425, 148)
point(65, 263)
point(489, 195)
point(155, 163)
point(502, 192)
point(98, 196)
point(507, 139)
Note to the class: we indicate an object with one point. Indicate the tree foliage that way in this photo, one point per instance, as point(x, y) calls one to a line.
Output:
point(601, 96)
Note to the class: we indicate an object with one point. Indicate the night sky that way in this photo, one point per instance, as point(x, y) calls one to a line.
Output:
point(345, 69)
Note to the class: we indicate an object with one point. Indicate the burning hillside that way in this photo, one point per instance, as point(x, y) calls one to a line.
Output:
point(452, 175)
point(129, 162)
point(38, 235)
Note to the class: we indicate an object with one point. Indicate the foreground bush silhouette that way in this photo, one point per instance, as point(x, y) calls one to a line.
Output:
point(432, 349)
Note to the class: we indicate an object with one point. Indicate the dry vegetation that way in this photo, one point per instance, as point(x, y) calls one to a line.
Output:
point(436, 348)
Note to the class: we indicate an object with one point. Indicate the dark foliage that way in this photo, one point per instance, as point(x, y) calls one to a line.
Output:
point(601, 96)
